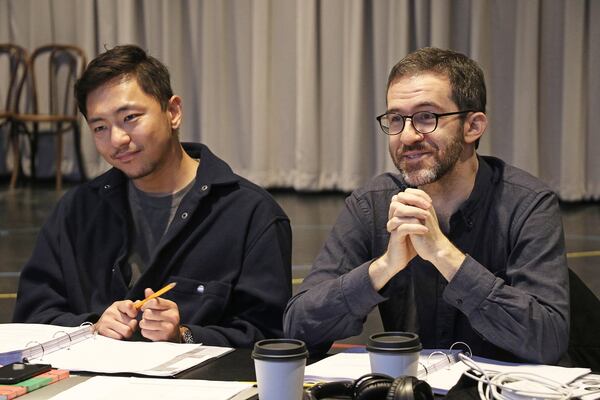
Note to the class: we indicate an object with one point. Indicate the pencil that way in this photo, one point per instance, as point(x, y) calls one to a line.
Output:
point(139, 303)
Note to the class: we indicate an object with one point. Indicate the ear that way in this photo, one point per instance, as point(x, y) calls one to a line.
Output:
point(474, 126)
point(175, 112)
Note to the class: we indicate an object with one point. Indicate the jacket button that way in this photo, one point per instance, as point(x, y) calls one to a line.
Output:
point(184, 215)
point(200, 289)
point(204, 187)
point(459, 301)
point(106, 187)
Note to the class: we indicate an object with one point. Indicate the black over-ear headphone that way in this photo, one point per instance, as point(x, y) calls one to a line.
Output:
point(374, 387)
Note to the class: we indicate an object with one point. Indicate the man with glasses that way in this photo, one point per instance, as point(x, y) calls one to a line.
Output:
point(456, 247)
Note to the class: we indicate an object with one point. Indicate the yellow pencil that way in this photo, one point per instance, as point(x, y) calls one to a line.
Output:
point(139, 303)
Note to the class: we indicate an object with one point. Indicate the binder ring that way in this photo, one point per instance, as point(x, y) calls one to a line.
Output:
point(442, 353)
point(425, 368)
point(69, 336)
point(88, 323)
point(39, 344)
point(469, 352)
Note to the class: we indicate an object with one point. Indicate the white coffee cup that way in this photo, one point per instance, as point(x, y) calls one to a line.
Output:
point(279, 365)
point(394, 353)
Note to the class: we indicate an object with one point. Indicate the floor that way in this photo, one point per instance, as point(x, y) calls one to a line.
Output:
point(23, 211)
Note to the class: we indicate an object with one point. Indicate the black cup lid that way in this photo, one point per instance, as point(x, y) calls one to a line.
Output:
point(398, 342)
point(279, 349)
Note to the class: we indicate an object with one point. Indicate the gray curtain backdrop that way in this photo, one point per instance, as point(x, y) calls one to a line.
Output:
point(287, 90)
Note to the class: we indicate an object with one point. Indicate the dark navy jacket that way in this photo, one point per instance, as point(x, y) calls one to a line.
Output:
point(228, 248)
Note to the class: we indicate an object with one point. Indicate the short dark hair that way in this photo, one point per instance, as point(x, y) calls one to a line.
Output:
point(127, 61)
point(466, 77)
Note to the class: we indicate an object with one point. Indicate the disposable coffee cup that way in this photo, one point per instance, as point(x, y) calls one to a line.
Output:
point(279, 366)
point(394, 353)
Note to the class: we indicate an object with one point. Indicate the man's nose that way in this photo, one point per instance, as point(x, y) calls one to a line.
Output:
point(409, 134)
point(119, 137)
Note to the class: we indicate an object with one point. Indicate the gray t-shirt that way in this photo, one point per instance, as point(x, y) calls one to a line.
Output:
point(152, 215)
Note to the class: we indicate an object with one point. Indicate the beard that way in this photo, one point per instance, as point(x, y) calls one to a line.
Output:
point(443, 162)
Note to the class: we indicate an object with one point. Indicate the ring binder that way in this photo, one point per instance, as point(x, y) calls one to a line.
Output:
point(450, 358)
point(92, 352)
point(442, 369)
point(90, 324)
point(33, 353)
point(439, 352)
point(37, 350)
point(469, 353)
point(424, 367)
point(68, 347)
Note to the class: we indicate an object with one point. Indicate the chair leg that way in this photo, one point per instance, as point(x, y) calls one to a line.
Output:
point(58, 161)
point(78, 154)
point(33, 145)
point(14, 138)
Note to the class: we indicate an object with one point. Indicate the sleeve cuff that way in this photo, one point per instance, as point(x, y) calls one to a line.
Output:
point(358, 290)
point(471, 285)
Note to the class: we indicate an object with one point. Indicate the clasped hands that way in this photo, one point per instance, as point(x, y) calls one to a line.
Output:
point(159, 322)
point(414, 230)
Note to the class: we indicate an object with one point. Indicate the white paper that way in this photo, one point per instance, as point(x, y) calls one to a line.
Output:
point(353, 365)
point(108, 387)
point(587, 387)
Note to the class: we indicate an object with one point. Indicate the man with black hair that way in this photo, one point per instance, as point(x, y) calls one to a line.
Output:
point(166, 212)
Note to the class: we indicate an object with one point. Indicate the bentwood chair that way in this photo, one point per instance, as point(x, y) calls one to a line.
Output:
point(51, 105)
point(13, 70)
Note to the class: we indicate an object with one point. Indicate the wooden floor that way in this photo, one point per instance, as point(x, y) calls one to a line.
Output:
point(23, 211)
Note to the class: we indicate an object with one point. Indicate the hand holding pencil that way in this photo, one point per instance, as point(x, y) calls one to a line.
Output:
point(160, 318)
point(139, 303)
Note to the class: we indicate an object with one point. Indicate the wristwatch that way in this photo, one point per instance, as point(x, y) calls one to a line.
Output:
point(185, 334)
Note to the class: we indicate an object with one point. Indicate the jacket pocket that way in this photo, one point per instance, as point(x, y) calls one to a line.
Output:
point(200, 302)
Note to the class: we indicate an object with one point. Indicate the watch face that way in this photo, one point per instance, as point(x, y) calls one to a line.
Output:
point(187, 335)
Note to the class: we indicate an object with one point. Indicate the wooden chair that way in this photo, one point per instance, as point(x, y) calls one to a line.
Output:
point(13, 69)
point(51, 105)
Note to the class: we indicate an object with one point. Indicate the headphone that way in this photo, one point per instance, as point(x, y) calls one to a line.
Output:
point(374, 387)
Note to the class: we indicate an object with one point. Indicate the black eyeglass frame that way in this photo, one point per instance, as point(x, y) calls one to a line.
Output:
point(404, 117)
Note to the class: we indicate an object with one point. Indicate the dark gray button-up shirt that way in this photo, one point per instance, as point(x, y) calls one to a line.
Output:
point(509, 299)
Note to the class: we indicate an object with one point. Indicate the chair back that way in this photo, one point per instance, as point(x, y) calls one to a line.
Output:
point(61, 66)
point(584, 340)
point(13, 70)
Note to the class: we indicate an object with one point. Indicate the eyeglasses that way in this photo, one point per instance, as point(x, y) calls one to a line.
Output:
point(424, 122)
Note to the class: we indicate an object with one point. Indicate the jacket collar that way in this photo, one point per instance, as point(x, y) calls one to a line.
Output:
point(212, 171)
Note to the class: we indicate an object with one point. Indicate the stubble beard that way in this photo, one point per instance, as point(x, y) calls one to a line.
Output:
point(442, 163)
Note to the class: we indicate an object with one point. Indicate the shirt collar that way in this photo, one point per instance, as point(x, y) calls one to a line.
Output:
point(484, 183)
